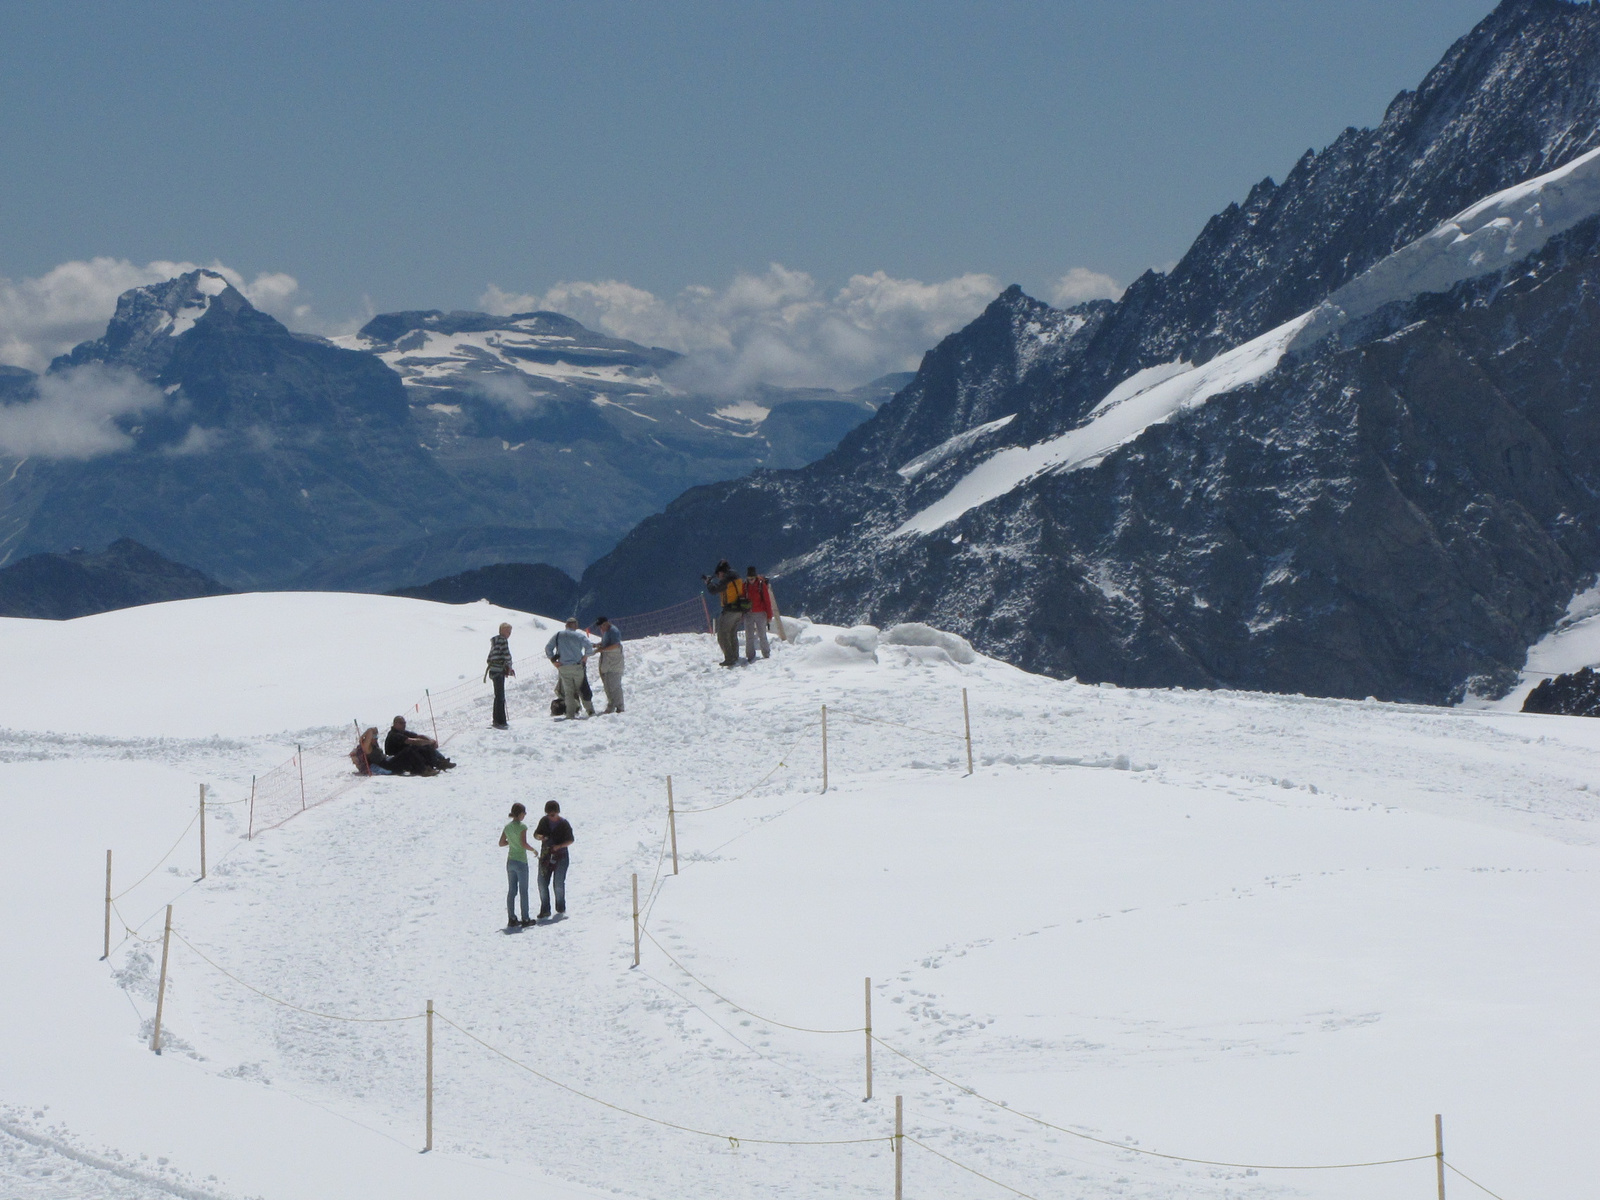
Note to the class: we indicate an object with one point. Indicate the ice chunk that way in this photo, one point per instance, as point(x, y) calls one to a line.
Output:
point(914, 633)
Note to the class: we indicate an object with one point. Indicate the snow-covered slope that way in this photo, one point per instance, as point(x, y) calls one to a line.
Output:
point(1487, 237)
point(1224, 926)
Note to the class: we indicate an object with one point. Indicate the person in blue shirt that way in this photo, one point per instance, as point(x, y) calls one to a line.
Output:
point(569, 650)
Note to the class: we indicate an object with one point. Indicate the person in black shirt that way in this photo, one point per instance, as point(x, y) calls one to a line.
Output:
point(417, 755)
point(554, 833)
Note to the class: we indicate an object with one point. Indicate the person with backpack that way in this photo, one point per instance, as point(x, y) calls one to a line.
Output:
point(515, 836)
point(568, 650)
point(728, 588)
point(498, 670)
point(759, 594)
point(554, 833)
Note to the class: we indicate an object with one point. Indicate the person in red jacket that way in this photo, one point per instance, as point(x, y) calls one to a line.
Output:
point(760, 614)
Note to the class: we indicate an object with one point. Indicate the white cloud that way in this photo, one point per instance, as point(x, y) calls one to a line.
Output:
point(1080, 284)
point(74, 414)
point(49, 315)
point(778, 327)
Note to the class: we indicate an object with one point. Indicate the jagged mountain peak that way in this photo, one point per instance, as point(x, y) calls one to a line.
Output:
point(151, 320)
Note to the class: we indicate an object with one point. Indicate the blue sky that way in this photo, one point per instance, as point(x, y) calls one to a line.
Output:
point(401, 155)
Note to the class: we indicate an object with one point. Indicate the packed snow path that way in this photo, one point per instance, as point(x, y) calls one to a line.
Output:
point(1252, 928)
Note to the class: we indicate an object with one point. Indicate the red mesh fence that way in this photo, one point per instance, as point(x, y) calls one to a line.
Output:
point(692, 616)
point(322, 771)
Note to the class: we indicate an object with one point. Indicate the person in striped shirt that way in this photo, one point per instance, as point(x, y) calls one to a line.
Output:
point(500, 667)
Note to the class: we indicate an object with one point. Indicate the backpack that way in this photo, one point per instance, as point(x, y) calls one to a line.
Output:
point(734, 597)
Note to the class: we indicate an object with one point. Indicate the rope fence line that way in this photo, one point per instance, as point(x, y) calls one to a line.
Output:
point(735, 1141)
point(781, 763)
point(974, 1093)
point(131, 931)
point(1471, 1180)
point(1204, 1162)
point(964, 1167)
point(729, 1138)
point(739, 1007)
point(289, 1003)
point(161, 861)
point(732, 1139)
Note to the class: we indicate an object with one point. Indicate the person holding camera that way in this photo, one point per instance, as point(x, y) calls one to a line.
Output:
point(554, 834)
point(729, 588)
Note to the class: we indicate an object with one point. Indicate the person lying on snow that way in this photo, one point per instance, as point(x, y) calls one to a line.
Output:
point(412, 753)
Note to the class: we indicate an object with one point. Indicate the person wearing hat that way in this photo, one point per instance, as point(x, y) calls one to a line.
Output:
point(569, 650)
point(729, 588)
point(610, 662)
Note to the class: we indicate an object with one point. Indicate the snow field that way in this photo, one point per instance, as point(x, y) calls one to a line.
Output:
point(1252, 928)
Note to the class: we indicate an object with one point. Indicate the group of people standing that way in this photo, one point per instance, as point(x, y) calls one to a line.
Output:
point(747, 604)
point(569, 651)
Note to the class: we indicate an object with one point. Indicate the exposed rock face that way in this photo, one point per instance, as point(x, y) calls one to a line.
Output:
point(1574, 695)
point(1397, 510)
point(58, 587)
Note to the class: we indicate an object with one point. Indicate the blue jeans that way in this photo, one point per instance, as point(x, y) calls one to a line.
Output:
point(554, 867)
point(516, 885)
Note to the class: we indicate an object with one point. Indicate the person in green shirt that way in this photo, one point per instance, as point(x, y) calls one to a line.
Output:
point(515, 835)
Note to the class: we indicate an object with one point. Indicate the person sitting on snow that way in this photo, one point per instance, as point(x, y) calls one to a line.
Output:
point(418, 754)
point(368, 757)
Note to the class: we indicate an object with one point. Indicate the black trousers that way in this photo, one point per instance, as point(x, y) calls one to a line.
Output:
point(499, 698)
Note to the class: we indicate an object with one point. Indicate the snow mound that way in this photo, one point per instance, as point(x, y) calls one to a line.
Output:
point(913, 633)
point(859, 637)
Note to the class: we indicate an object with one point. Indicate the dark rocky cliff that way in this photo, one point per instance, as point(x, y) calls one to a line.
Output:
point(1398, 511)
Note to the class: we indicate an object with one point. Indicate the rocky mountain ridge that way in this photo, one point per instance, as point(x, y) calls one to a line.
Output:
point(1397, 509)
point(59, 587)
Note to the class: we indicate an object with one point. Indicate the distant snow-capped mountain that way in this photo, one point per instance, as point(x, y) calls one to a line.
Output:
point(1346, 447)
point(427, 445)
point(538, 374)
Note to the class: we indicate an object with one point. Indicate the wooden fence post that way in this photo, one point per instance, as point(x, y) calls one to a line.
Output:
point(966, 718)
point(636, 920)
point(250, 831)
point(1438, 1156)
point(428, 1145)
point(107, 954)
point(869, 1037)
point(431, 720)
point(672, 825)
point(202, 831)
point(300, 761)
point(824, 749)
point(705, 608)
point(899, 1144)
point(161, 988)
